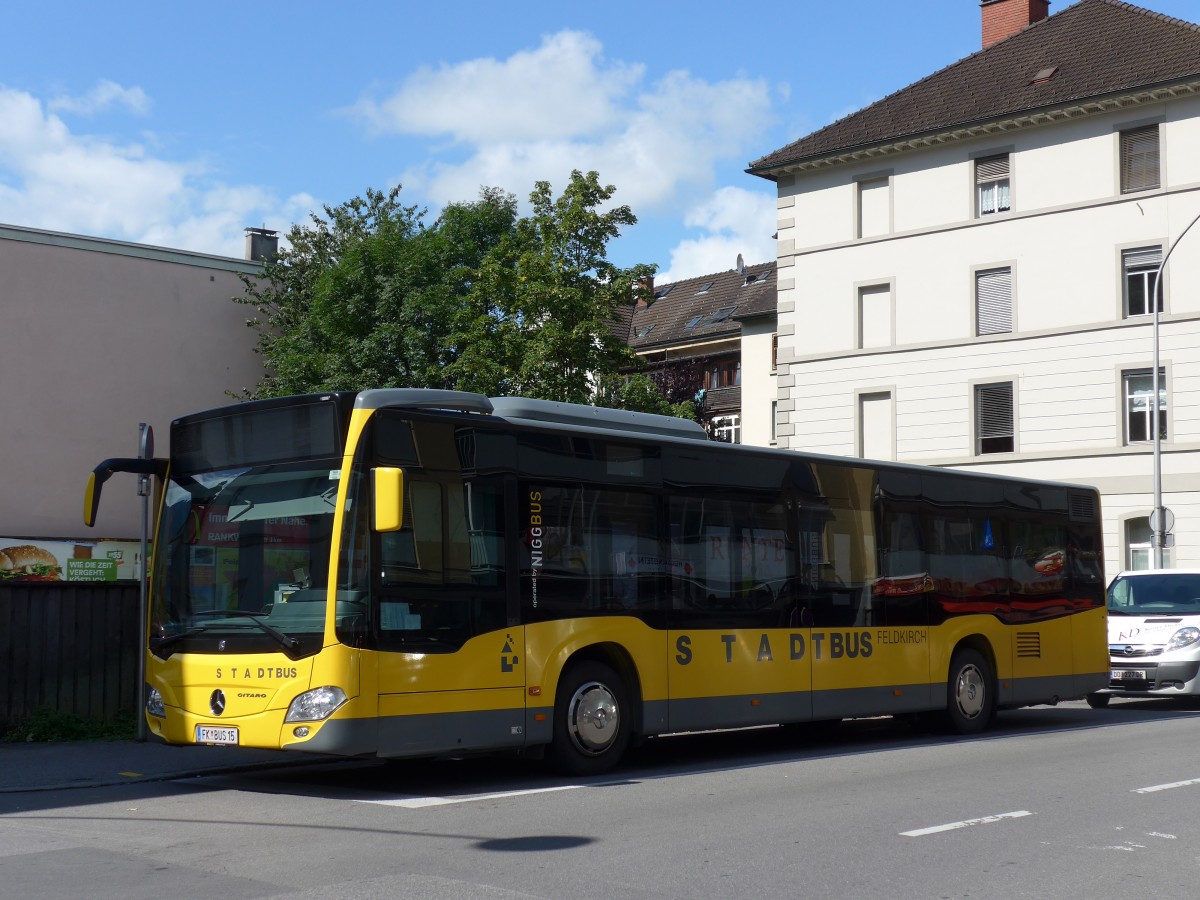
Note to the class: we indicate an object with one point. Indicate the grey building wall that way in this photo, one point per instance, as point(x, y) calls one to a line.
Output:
point(97, 336)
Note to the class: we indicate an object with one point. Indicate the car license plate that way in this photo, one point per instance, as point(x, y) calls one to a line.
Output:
point(209, 734)
point(1128, 675)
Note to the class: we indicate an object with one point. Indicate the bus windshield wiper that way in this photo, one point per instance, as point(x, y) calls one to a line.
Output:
point(286, 641)
point(171, 640)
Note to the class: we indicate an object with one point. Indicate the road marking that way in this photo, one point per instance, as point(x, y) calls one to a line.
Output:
point(921, 832)
point(424, 802)
point(1165, 787)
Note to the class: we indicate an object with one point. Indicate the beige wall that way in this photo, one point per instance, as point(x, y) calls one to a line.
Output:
point(98, 336)
point(1070, 343)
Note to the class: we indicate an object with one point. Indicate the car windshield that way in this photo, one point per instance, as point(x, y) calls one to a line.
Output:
point(244, 555)
point(1168, 593)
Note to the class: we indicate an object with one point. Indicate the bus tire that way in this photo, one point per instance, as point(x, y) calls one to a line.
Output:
point(591, 720)
point(971, 696)
point(1097, 701)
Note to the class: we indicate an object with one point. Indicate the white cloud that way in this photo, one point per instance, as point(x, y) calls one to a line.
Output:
point(561, 89)
point(54, 179)
point(735, 221)
point(539, 114)
point(104, 95)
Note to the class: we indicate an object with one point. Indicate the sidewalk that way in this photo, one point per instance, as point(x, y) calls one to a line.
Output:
point(61, 766)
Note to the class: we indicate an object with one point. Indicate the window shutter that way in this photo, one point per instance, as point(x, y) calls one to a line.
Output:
point(1139, 159)
point(1142, 258)
point(991, 169)
point(993, 301)
point(994, 418)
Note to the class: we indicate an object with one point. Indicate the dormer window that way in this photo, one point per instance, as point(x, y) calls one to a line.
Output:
point(720, 315)
point(704, 288)
point(692, 322)
point(644, 330)
point(662, 292)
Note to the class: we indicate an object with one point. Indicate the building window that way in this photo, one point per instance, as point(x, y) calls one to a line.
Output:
point(774, 425)
point(1139, 398)
point(991, 185)
point(993, 301)
point(774, 352)
point(1139, 546)
point(994, 418)
point(874, 207)
point(1139, 159)
point(876, 439)
point(727, 429)
point(875, 316)
point(1140, 267)
point(727, 373)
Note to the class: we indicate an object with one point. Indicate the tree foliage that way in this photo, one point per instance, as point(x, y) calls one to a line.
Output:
point(365, 295)
point(482, 300)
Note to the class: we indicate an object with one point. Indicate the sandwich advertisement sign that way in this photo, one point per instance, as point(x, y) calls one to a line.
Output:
point(23, 560)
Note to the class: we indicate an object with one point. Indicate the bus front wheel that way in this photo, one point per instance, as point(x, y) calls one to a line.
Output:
point(971, 699)
point(591, 720)
point(1097, 701)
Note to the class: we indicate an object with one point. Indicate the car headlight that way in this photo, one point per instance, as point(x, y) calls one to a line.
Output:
point(315, 705)
point(1183, 638)
point(154, 703)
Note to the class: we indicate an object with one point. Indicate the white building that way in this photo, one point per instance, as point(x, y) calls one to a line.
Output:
point(965, 266)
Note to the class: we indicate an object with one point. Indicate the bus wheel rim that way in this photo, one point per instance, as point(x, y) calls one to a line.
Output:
point(594, 718)
point(970, 692)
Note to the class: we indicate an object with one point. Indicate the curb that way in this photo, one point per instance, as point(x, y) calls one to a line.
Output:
point(138, 778)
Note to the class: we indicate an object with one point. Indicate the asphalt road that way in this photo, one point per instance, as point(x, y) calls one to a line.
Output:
point(1055, 802)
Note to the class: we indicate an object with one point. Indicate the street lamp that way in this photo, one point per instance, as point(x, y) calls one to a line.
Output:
point(1158, 518)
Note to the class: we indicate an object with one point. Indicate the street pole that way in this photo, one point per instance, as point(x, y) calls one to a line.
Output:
point(1158, 518)
point(145, 451)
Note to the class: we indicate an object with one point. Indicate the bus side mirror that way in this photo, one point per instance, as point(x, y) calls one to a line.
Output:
point(387, 488)
point(108, 468)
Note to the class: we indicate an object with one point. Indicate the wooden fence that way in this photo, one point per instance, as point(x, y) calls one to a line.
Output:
point(68, 647)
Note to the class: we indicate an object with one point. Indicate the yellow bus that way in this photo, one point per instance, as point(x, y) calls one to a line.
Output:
point(414, 573)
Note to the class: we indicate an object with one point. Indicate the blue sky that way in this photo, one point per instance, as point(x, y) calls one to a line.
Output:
point(180, 125)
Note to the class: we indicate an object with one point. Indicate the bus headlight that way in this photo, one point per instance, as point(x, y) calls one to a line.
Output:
point(315, 705)
point(154, 703)
point(1183, 638)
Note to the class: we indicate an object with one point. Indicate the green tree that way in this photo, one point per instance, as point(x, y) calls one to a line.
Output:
point(365, 295)
point(368, 296)
point(641, 393)
point(539, 318)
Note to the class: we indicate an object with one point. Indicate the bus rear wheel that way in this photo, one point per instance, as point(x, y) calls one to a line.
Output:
point(971, 699)
point(591, 720)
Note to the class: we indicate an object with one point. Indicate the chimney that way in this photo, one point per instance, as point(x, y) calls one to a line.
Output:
point(261, 245)
point(1004, 18)
point(644, 292)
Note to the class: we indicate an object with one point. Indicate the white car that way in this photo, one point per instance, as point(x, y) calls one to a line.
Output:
point(1153, 635)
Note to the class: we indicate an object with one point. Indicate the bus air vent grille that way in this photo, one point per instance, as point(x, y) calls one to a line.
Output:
point(1082, 506)
point(1029, 645)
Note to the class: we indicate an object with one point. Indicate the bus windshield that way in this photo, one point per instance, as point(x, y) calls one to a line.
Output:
point(246, 559)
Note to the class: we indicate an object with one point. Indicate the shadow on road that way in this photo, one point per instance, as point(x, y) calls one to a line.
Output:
point(663, 757)
point(675, 755)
